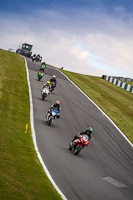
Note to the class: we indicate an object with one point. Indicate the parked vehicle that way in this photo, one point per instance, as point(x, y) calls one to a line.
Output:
point(25, 50)
point(79, 144)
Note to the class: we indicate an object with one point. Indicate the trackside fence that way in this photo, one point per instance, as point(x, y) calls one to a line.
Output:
point(119, 83)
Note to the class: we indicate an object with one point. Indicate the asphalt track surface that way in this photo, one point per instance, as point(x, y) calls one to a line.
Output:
point(104, 169)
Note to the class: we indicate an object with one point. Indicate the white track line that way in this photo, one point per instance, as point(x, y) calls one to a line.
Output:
point(98, 108)
point(114, 182)
point(34, 137)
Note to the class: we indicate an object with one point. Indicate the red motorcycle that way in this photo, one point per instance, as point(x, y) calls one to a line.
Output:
point(79, 144)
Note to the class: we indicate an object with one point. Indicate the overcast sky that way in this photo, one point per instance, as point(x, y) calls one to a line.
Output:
point(93, 37)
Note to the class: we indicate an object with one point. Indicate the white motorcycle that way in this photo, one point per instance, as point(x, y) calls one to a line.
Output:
point(44, 93)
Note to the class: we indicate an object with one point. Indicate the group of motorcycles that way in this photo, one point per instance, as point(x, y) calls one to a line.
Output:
point(36, 58)
point(78, 144)
point(45, 91)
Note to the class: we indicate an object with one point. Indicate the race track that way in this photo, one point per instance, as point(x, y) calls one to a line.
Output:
point(104, 169)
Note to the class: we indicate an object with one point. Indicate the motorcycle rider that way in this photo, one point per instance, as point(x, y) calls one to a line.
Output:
point(33, 57)
point(87, 132)
point(56, 105)
point(53, 79)
point(46, 85)
point(43, 66)
point(43, 63)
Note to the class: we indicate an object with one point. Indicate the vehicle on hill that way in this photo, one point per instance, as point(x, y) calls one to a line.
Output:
point(25, 50)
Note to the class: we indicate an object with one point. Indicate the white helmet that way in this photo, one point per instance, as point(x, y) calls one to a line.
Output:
point(54, 76)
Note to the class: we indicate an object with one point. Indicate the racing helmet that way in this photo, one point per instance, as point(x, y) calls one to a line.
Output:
point(89, 130)
point(57, 102)
point(54, 76)
point(48, 82)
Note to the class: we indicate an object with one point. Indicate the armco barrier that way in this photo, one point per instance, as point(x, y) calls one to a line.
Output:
point(118, 83)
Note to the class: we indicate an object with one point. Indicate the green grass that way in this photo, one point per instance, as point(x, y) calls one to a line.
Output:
point(129, 82)
point(21, 174)
point(116, 102)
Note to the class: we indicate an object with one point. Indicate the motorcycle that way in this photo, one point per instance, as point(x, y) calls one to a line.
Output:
point(51, 115)
point(52, 86)
point(44, 93)
point(33, 58)
point(40, 75)
point(79, 144)
point(38, 59)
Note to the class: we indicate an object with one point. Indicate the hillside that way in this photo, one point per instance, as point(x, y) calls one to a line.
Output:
point(21, 174)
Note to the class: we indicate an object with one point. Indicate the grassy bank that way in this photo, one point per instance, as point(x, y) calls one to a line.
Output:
point(114, 101)
point(129, 82)
point(21, 175)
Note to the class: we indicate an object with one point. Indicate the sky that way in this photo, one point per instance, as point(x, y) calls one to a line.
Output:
point(93, 37)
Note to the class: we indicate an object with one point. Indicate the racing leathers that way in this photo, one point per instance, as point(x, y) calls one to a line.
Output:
point(82, 133)
point(46, 85)
point(53, 79)
point(57, 107)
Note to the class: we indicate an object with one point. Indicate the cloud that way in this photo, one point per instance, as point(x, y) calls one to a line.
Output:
point(90, 43)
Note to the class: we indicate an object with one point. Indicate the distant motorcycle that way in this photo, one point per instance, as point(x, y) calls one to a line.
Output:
point(44, 92)
point(52, 86)
point(33, 58)
point(79, 144)
point(38, 58)
point(40, 75)
point(51, 115)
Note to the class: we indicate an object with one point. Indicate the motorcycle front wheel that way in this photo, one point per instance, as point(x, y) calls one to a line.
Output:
point(77, 150)
point(43, 96)
point(49, 121)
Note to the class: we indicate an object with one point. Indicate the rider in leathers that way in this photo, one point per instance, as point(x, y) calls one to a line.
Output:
point(43, 66)
point(53, 79)
point(56, 105)
point(46, 85)
point(88, 132)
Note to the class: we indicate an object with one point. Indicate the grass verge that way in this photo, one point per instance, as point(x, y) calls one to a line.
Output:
point(21, 174)
point(114, 101)
point(129, 82)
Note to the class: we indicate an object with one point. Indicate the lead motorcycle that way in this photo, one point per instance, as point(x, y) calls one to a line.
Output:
point(44, 93)
point(79, 144)
point(51, 115)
